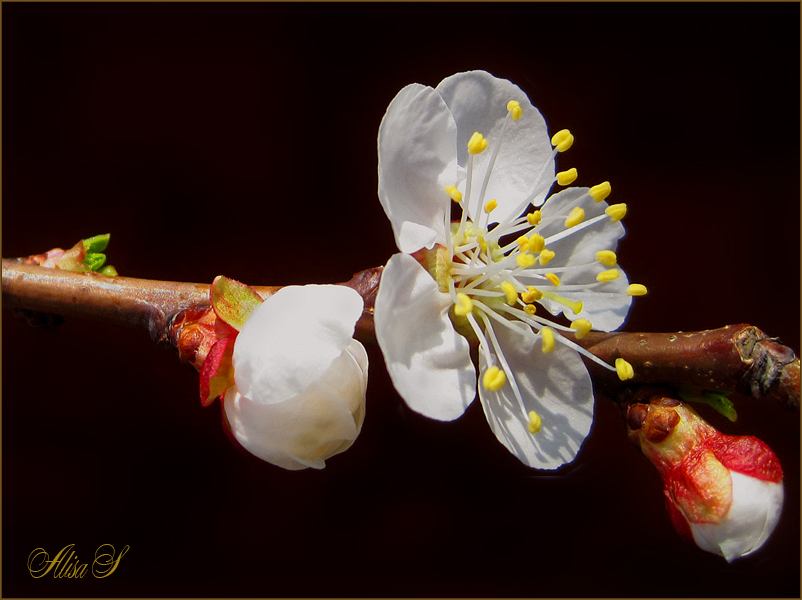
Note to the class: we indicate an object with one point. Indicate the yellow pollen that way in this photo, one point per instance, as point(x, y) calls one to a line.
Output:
point(636, 289)
point(616, 212)
point(566, 177)
point(582, 327)
point(514, 108)
point(534, 422)
point(490, 206)
point(562, 140)
point(608, 275)
point(555, 281)
point(601, 191)
point(523, 243)
point(530, 309)
point(575, 217)
point(531, 295)
point(482, 243)
point(477, 143)
point(536, 243)
point(464, 304)
point(607, 258)
point(509, 292)
point(534, 218)
point(546, 256)
point(625, 370)
point(494, 379)
point(455, 194)
point(525, 260)
point(548, 340)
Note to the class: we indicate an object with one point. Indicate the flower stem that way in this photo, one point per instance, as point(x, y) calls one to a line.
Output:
point(736, 358)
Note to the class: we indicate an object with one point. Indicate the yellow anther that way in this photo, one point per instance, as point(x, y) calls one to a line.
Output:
point(530, 309)
point(566, 177)
point(534, 218)
point(523, 243)
point(490, 206)
point(636, 289)
point(601, 191)
point(531, 295)
point(546, 256)
point(548, 340)
point(464, 304)
point(555, 281)
point(494, 379)
point(534, 422)
point(482, 243)
point(607, 258)
point(455, 194)
point(625, 370)
point(577, 307)
point(525, 260)
point(536, 243)
point(575, 217)
point(509, 292)
point(562, 140)
point(608, 275)
point(616, 212)
point(514, 108)
point(477, 143)
point(582, 327)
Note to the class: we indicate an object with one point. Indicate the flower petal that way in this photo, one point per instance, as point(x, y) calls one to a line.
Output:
point(605, 305)
point(428, 361)
point(478, 102)
point(417, 160)
point(292, 338)
point(556, 385)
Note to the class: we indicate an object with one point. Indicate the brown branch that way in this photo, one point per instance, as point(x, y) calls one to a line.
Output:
point(738, 358)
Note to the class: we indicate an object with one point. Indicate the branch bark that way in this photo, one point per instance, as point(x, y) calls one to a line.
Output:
point(737, 358)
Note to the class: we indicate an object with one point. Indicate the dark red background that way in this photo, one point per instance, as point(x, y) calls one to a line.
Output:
point(239, 139)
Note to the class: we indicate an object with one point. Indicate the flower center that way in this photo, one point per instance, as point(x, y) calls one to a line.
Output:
point(498, 274)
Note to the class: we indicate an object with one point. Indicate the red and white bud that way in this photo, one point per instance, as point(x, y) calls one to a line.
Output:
point(724, 492)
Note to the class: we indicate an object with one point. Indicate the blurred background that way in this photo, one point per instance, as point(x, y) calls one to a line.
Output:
point(240, 139)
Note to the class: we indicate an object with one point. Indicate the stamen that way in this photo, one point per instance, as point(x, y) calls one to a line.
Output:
point(455, 194)
point(514, 108)
point(566, 177)
point(609, 275)
point(575, 217)
point(636, 289)
point(607, 258)
point(530, 309)
point(624, 369)
point(490, 206)
point(582, 327)
point(555, 281)
point(548, 339)
point(509, 292)
point(534, 218)
point(601, 191)
point(464, 304)
point(562, 140)
point(575, 306)
point(537, 243)
point(531, 295)
point(534, 422)
point(526, 260)
point(477, 143)
point(616, 212)
point(546, 256)
point(494, 379)
point(523, 243)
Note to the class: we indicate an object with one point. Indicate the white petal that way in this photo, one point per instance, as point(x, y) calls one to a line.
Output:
point(605, 305)
point(292, 338)
point(478, 102)
point(417, 160)
point(305, 430)
point(428, 361)
point(755, 512)
point(555, 385)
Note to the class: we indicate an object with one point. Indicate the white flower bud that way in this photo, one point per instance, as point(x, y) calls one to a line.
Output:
point(300, 378)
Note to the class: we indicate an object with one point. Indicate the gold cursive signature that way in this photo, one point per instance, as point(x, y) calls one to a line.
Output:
point(65, 564)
